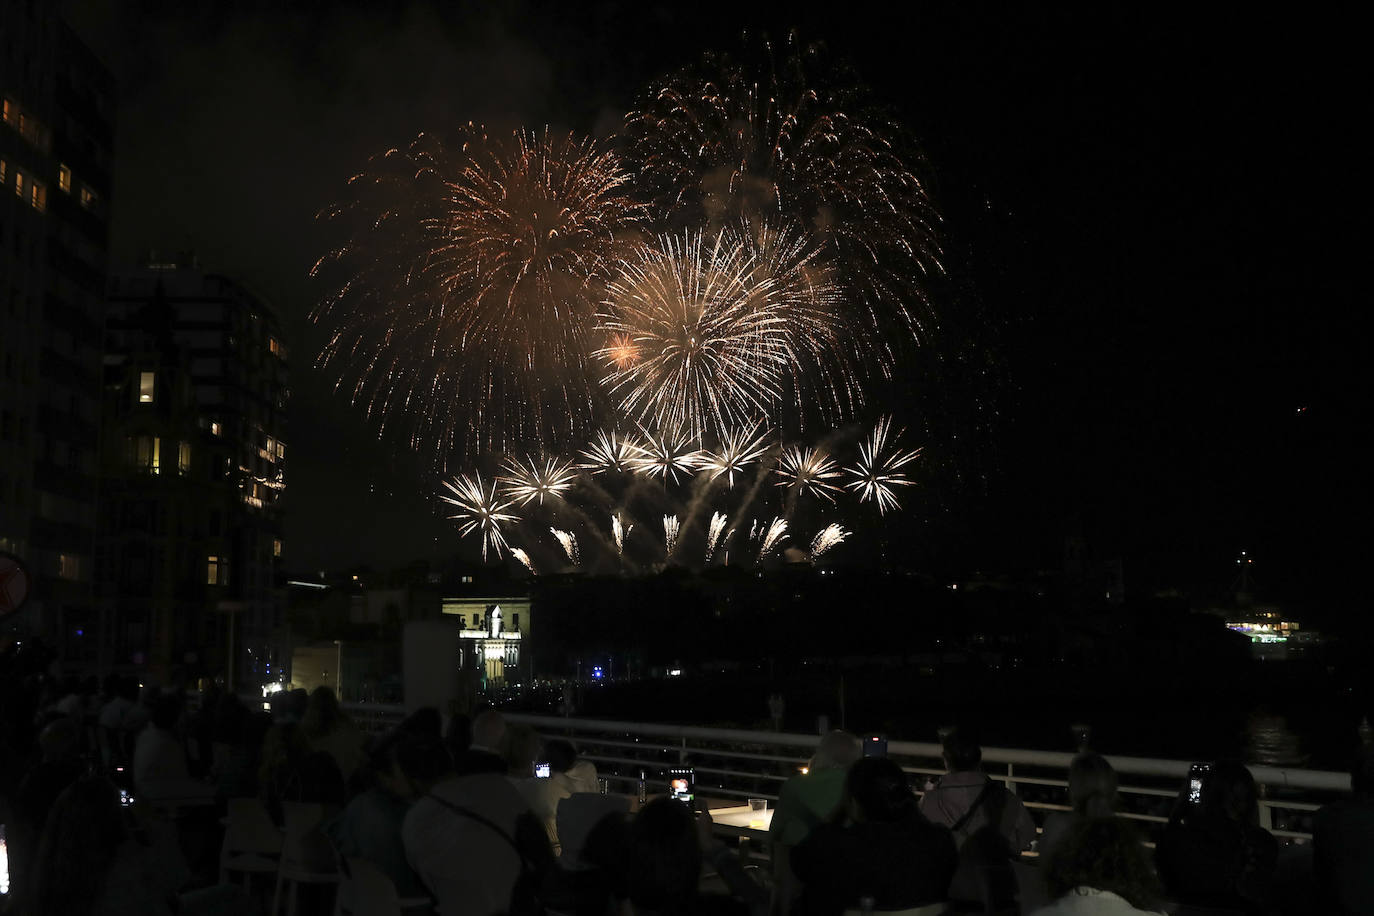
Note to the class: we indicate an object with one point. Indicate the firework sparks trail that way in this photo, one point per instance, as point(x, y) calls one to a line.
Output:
point(569, 542)
point(523, 558)
point(665, 455)
point(527, 481)
point(464, 293)
point(738, 448)
point(671, 528)
point(723, 326)
point(880, 468)
point(713, 534)
point(809, 470)
point(620, 533)
point(826, 538)
point(479, 510)
point(791, 132)
point(611, 452)
point(773, 535)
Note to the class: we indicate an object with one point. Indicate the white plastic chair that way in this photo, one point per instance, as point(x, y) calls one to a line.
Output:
point(252, 843)
point(307, 857)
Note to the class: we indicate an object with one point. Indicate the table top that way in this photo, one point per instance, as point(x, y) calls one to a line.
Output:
point(740, 818)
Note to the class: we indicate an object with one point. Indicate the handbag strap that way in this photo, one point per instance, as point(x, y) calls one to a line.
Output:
point(973, 808)
point(489, 824)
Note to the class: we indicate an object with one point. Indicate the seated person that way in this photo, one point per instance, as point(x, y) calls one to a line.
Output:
point(404, 766)
point(160, 770)
point(483, 755)
point(1343, 843)
point(964, 799)
point(1213, 852)
point(328, 728)
point(882, 848)
point(806, 801)
point(568, 775)
point(990, 824)
point(97, 858)
point(1092, 793)
point(1100, 867)
point(667, 846)
point(475, 844)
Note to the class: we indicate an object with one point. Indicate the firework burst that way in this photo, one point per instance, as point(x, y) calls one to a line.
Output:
point(619, 532)
point(528, 481)
point(611, 452)
point(568, 540)
point(722, 330)
point(464, 292)
point(738, 448)
point(773, 535)
point(809, 470)
point(826, 538)
point(713, 534)
point(880, 468)
point(671, 529)
point(524, 558)
point(479, 510)
point(665, 456)
point(790, 132)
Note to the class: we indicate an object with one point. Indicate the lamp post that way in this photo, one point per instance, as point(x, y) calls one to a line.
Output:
point(338, 668)
point(231, 609)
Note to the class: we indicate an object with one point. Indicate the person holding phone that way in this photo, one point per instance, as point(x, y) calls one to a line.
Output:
point(1214, 853)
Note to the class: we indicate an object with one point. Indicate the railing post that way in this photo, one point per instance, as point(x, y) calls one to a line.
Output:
point(1266, 814)
point(1011, 781)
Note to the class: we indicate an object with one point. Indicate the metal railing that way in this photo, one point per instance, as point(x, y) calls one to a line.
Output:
point(739, 763)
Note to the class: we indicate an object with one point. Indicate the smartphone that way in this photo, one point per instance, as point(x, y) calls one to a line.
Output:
point(875, 745)
point(125, 799)
point(542, 770)
point(4, 865)
point(682, 784)
point(1196, 774)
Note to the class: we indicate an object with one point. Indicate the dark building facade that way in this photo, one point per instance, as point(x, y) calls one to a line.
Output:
point(56, 147)
point(193, 463)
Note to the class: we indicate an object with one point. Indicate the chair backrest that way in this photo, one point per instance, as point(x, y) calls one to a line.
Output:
point(250, 829)
point(578, 814)
point(305, 845)
point(365, 890)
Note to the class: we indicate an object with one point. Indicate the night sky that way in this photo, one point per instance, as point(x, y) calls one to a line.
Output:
point(1146, 222)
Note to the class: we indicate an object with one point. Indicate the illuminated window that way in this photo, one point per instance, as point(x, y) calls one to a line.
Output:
point(281, 449)
point(4, 172)
point(38, 196)
point(216, 571)
point(146, 383)
point(276, 547)
point(19, 184)
point(68, 567)
point(10, 110)
point(87, 197)
point(215, 428)
point(183, 458)
point(64, 178)
point(273, 346)
point(144, 453)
